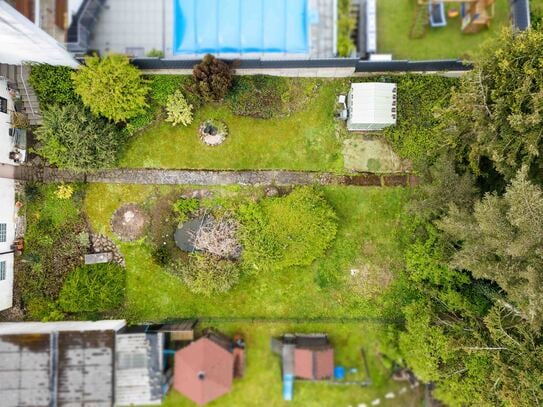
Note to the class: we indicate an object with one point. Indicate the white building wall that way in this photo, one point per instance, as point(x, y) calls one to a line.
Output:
point(6, 142)
point(22, 41)
point(7, 216)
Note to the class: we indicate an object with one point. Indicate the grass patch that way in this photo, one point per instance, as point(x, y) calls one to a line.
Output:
point(394, 23)
point(366, 219)
point(308, 139)
point(262, 386)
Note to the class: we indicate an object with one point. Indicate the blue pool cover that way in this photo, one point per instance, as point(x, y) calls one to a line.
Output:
point(240, 26)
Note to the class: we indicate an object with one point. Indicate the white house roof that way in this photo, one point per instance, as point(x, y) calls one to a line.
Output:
point(373, 103)
point(23, 41)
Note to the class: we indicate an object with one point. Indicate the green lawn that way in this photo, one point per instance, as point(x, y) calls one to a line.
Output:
point(307, 140)
point(394, 23)
point(261, 385)
point(366, 238)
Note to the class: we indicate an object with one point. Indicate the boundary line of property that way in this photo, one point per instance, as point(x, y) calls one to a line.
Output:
point(272, 320)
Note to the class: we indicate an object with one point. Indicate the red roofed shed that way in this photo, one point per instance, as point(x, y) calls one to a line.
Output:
point(314, 364)
point(203, 371)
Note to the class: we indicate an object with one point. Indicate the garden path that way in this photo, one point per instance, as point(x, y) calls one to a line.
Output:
point(210, 177)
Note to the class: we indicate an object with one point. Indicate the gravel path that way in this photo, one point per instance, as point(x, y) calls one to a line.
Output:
point(207, 177)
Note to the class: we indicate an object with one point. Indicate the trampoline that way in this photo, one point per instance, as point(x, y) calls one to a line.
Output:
point(437, 14)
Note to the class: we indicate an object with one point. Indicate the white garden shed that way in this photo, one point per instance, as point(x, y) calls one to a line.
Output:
point(371, 106)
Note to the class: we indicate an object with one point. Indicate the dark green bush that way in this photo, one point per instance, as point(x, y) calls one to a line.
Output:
point(71, 137)
point(207, 274)
point(53, 84)
point(94, 288)
point(290, 231)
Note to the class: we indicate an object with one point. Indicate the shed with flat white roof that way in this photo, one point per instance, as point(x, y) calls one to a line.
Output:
point(371, 106)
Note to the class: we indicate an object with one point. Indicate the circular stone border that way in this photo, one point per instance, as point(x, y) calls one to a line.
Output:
point(128, 222)
point(213, 139)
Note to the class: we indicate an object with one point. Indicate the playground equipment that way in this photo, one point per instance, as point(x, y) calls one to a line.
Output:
point(436, 12)
point(476, 14)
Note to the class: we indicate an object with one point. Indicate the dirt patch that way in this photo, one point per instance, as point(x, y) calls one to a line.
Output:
point(128, 222)
point(368, 280)
point(372, 154)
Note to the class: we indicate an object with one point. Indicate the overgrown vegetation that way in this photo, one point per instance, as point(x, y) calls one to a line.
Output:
point(53, 84)
point(53, 248)
point(207, 274)
point(416, 136)
point(94, 288)
point(111, 87)
point(345, 26)
point(266, 97)
point(290, 231)
point(71, 137)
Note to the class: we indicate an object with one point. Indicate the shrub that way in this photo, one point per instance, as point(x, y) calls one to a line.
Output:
point(179, 111)
point(52, 249)
point(346, 25)
point(53, 84)
point(288, 231)
point(155, 53)
point(64, 191)
point(212, 79)
point(19, 120)
point(40, 309)
point(207, 274)
point(161, 87)
point(93, 288)
point(70, 137)
point(184, 206)
point(111, 87)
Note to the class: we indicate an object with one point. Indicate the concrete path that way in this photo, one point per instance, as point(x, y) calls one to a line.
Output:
point(208, 177)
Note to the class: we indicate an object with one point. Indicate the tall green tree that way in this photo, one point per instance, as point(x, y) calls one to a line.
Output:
point(502, 241)
point(111, 87)
point(497, 111)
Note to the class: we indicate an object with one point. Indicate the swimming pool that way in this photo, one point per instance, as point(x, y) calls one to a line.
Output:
point(240, 26)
